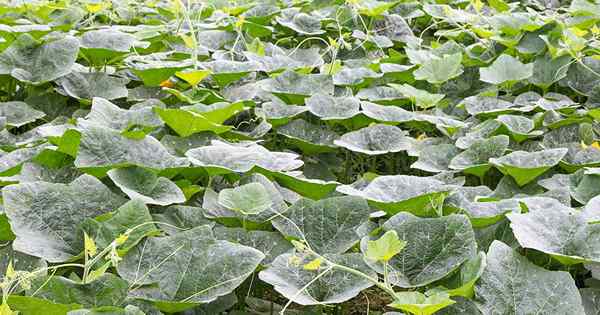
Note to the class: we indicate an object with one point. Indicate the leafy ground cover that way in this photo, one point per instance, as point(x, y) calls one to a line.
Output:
point(300, 157)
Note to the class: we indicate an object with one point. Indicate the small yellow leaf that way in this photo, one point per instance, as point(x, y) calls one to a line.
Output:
point(314, 264)
point(499, 5)
point(386, 247)
point(177, 6)
point(240, 21)
point(422, 137)
point(257, 47)
point(5, 310)
point(294, 261)
point(10, 271)
point(333, 42)
point(187, 40)
point(583, 145)
point(299, 246)
point(595, 145)
point(332, 68)
point(121, 239)
point(477, 5)
point(578, 32)
point(595, 30)
point(193, 77)
point(95, 274)
point(97, 7)
point(483, 33)
point(167, 83)
point(89, 245)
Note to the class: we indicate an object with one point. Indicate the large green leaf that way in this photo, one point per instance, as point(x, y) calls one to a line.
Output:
point(354, 76)
point(104, 46)
point(486, 105)
point(435, 158)
point(193, 119)
point(152, 70)
point(328, 107)
point(109, 115)
point(419, 195)
point(562, 233)
point(272, 244)
point(300, 22)
point(293, 87)
point(87, 85)
point(306, 287)
point(46, 217)
point(519, 128)
point(145, 185)
point(329, 226)
point(309, 137)
point(107, 290)
point(187, 122)
point(375, 139)
point(31, 61)
point(547, 70)
point(524, 166)
point(506, 69)
point(505, 287)
point(102, 148)
point(475, 159)
point(223, 206)
point(251, 198)
point(434, 248)
point(17, 114)
point(29, 305)
point(419, 303)
point(421, 98)
point(221, 157)
point(187, 268)
point(132, 219)
point(440, 69)
point(179, 218)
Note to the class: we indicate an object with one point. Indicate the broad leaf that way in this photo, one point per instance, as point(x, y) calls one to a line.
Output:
point(475, 159)
point(17, 114)
point(524, 166)
point(506, 69)
point(87, 85)
point(107, 290)
point(251, 198)
point(103, 148)
point(562, 233)
point(187, 268)
point(329, 226)
point(221, 157)
point(419, 195)
point(132, 219)
point(434, 248)
point(375, 139)
point(145, 185)
point(421, 98)
point(35, 62)
point(293, 88)
point(505, 287)
point(384, 248)
point(46, 217)
point(303, 287)
point(440, 69)
point(419, 303)
point(328, 107)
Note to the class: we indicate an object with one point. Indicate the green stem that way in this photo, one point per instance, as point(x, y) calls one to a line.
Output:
point(376, 282)
point(385, 274)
